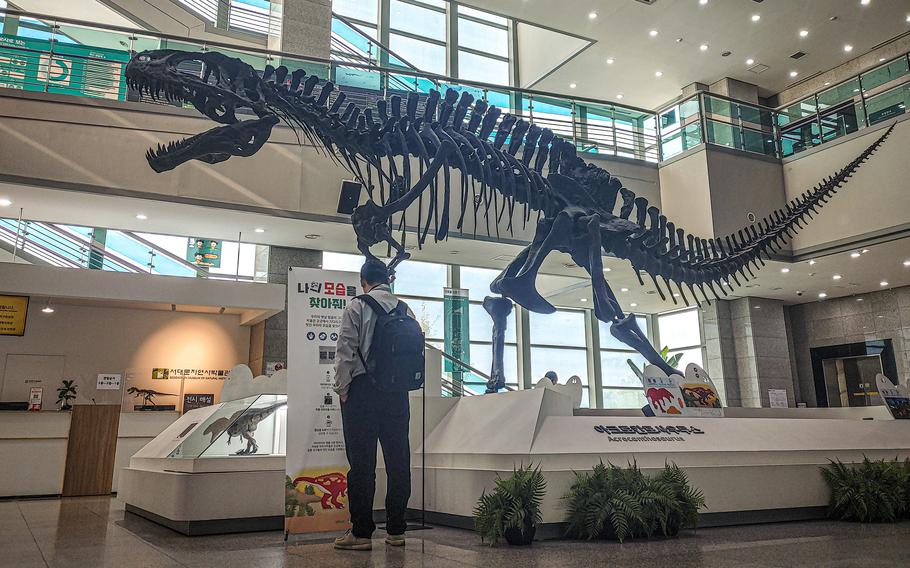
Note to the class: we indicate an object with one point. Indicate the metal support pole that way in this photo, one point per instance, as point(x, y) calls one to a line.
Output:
point(16, 242)
point(237, 265)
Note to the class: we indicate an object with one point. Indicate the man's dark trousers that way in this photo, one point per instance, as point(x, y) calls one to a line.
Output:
point(371, 415)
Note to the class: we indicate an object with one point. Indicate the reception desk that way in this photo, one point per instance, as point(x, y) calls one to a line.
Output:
point(33, 447)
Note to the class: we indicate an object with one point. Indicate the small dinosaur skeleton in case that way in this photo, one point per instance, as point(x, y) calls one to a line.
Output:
point(503, 161)
point(242, 423)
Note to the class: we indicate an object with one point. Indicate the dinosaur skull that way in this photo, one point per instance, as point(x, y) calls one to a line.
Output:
point(218, 86)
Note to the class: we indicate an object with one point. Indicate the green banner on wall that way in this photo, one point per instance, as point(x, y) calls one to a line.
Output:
point(82, 70)
point(457, 333)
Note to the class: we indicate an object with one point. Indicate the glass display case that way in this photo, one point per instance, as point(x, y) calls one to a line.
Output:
point(251, 426)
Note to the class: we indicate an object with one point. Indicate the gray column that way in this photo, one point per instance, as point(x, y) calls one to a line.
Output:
point(274, 335)
point(757, 359)
point(301, 27)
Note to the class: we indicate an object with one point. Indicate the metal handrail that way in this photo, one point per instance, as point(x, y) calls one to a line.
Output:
point(467, 366)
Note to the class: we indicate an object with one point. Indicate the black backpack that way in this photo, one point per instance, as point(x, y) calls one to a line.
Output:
point(396, 359)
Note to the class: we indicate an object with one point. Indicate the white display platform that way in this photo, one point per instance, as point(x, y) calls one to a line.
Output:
point(750, 469)
point(204, 494)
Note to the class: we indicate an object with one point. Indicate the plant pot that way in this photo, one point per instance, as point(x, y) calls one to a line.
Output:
point(519, 537)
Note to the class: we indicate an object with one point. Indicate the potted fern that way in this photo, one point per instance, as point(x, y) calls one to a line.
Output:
point(869, 492)
point(612, 502)
point(66, 393)
point(512, 510)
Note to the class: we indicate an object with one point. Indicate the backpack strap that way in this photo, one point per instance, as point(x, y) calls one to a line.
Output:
point(379, 311)
point(374, 305)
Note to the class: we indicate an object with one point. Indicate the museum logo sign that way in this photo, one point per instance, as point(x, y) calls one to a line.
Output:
point(648, 433)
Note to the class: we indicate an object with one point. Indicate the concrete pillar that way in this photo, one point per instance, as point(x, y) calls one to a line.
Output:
point(301, 27)
point(269, 344)
point(747, 347)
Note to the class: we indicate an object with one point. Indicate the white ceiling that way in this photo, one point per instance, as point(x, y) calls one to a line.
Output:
point(563, 283)
point(622, 32)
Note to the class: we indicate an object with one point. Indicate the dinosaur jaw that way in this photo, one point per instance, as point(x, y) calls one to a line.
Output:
point(243, 138)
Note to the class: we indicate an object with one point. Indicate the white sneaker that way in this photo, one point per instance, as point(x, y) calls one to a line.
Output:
point(394, 539)
point(348, 541)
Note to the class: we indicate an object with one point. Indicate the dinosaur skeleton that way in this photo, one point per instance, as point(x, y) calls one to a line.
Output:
point(147, 395)
point(242, 423)
point(502, 161)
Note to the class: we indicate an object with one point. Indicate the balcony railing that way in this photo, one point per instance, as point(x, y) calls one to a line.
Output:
point(73, 246)
point(596, 127)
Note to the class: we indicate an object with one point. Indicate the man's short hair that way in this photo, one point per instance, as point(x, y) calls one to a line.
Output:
point(374, 271)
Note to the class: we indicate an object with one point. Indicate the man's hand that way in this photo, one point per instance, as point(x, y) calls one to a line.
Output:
point(343, 397)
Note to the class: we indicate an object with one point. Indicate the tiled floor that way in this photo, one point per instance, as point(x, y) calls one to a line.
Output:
point(95, 532)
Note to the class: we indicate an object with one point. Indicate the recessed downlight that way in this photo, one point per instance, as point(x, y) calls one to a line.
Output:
point(883, 283)
point(619, 96)
point(141, 216)
point(633, 304)
point(259, 230)
point(607, 269)
point(702, 2)
point(703, 47)
point(803, 33)
point(623, 289)
point(592, 15)
point(836, 277)
point(864, 251)
point(864, 2)
point(907, 263)
point(822, 295)
point(855, 255)
point(750, 61)
point(794, 73)
point(573, 85)
point(658, 73)
point(610, 61)
point(5, 202)
point(583, 299)
point(785, 270)
point(848, 48)
point(756, 17)
point(653, 33)
point(812, 262)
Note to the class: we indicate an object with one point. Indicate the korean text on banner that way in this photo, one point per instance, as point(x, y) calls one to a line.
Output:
point(316, 480)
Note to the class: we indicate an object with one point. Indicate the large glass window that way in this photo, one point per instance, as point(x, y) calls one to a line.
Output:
point(558, 343)
point(681, 332)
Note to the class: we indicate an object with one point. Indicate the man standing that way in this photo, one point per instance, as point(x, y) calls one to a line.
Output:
point(373, 409)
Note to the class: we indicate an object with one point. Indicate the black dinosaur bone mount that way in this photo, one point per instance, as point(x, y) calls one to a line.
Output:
point(575, 202)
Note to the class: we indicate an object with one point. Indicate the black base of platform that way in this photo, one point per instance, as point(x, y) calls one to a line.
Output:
point(215, 526)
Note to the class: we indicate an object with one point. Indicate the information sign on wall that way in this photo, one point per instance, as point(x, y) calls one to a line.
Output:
point(777, 398)
point(108, 381)
point(457, 333)
point(316, 481)
point(13, 313)
point(198, 400)
point(35, 396)
point(204, 252)
point(73, 69)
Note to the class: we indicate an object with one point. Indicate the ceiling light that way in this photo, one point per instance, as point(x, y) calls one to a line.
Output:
point(750, 61)
point(811, 262)
point(47, 307)
point(610, 61)
point(854, 255)
point(785, 270)
point(883, 283)
point(880, 59)
point(702, 2)
point(676, 294)
point(311, 236)
point(848, 48)
point(633, 304)
point(572, 85)
point(827, 83)
point(794, 73)
point(592, 15)
point(908, 17)
point(859, 299)
point(259, 230)
point(4, 202)
point(822, 295)
point(619, 96)
point(623, 289)
point(837, 277)
point(658, 73)
point(803, 33)
point(864, 251)
point(141, 216)
point(756, 17)
point(584, 299)
point(652, 33)
point(703, 47)
point(907, 263)
point(607, 269)
point(864, 2)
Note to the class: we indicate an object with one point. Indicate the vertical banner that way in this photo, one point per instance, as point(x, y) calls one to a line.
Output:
point(457, 334)
point(316, 478)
